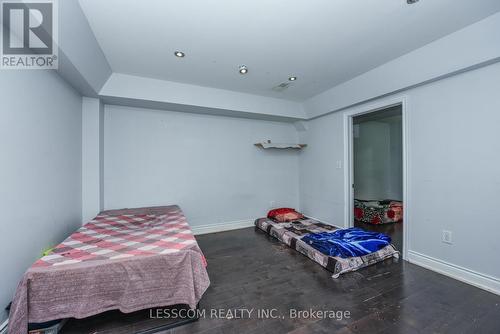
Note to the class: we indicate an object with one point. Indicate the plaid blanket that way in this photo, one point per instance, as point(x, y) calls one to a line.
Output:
point(129, 259)
point(292, 233)
point(121, 234)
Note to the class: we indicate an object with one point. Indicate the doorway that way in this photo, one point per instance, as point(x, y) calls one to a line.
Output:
point(375, 173)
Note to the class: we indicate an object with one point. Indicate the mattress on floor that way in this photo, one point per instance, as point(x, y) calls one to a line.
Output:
point(378, 212)
point(291, 234)
point(127, 260)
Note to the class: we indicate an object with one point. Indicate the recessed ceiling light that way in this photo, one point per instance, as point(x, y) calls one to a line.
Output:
point(179, 54)
point(292, 78)
point(243, 69)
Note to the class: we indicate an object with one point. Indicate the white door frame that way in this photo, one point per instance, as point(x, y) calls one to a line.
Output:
point(348, 159)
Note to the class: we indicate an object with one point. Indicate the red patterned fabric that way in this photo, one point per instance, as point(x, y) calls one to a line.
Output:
point(111, 236)
point(281, 211)
point(378, 212)
point(284, 215)
point(358, 213)
point(127, 260)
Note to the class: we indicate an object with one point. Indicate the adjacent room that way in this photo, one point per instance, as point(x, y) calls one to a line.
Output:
point(377, 164)
point(226, 166)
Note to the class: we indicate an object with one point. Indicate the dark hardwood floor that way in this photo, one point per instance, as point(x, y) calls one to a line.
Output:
point(394, 230)
point(248, 269)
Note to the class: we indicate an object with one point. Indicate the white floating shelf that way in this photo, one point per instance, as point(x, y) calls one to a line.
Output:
point(268, 144)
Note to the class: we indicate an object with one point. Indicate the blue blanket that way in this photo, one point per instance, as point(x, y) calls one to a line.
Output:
point(347, 242)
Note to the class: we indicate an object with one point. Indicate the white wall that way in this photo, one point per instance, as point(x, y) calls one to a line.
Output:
point(130, 90)
point(321, 181)
point(81, 61)
point(92, 158)
point(470, 47)
point(206, 164)
point(378, 160)
point(454, 178)
point(40, 169)
point(395, 190)
point(372, 161)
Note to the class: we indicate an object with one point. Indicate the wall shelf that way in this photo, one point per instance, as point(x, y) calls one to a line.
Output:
point(269, 145)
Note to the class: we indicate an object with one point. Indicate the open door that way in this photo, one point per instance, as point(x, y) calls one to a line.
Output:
point(375, 172)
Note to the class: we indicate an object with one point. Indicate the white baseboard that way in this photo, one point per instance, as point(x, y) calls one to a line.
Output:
point(235, 225)
point(3, 327)
point(488, 283)
point(325, 222)
point(221, 227)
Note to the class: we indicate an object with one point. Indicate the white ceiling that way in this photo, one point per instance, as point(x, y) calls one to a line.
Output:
point(322, 42)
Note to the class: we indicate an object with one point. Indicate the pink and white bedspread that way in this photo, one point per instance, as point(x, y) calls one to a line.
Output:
point(128, 259)
point(123, 234)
